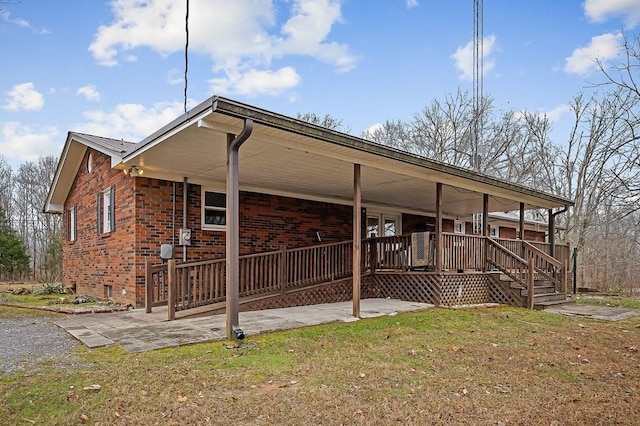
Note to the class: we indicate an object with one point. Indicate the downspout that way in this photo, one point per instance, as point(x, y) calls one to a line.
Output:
point(173, 223)
point(233, 230)
point(552, 229)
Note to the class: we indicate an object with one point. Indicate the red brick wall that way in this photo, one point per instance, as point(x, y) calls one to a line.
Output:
point(266, 223)
point(95, 260)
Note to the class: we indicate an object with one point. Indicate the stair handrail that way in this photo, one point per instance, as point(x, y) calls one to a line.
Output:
point(491, 242)
point(547, 257)
point(559, 268)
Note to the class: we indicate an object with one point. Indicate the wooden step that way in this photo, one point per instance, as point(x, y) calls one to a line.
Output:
point(539, 290)
point(548, 297)
point(543, 305)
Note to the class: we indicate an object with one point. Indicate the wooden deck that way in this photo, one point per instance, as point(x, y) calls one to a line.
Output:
point(475, 269)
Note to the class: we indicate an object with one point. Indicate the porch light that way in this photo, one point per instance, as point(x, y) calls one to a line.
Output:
point(133, 171)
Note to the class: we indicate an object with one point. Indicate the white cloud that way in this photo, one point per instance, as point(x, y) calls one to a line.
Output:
point(602, 48)
point(24, 97)
point(90, 93)
point(257, 82)
point(463, 58)
point(175, 76)
point(131, 122)
point(6, 16)
point(24, 143)
point(372, 129)
point(252, 36)
point(556, 114)
point(412, 3)
point(601, 10)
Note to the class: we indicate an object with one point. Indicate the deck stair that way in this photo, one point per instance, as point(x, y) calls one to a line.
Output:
point(513, 272)
point(544, 292)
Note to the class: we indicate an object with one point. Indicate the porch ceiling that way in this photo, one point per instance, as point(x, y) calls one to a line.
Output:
point(282, 161)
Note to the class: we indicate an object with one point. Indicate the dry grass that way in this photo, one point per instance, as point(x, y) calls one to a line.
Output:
point(483, 366)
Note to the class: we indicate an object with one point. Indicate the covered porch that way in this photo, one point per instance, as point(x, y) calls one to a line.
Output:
point(234, 147)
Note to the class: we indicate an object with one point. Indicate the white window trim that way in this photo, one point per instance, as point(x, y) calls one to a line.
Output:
point(494, 231)
point(72, 224)
point(382, 217)
point(106, 211)
point(207, 226)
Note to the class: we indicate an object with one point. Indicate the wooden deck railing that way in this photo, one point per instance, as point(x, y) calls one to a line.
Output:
point(463, 252)
point(317, 264)
point(192, 284)
point(156, 285)
point(387, 253)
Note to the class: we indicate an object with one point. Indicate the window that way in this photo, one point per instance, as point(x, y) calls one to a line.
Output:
point(72, 223)
point(106, 211)
point(458, 227)
point(108, 291)
point(389, 225)
point(373, 226)
point(214, 210)
point(494, 231)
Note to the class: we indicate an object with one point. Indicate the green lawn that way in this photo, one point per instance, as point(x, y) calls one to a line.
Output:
point(479, 366)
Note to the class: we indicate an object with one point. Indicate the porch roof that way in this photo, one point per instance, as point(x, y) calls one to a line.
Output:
point(292, 157)
point(286, 156)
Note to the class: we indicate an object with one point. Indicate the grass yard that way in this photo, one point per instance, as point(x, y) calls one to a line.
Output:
point(500, 366)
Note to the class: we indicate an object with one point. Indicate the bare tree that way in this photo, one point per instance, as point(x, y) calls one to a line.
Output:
point(36, 229)
point(6, 185)
point(327, 121)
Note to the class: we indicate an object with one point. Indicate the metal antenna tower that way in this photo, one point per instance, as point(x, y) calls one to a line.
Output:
point(478, 76)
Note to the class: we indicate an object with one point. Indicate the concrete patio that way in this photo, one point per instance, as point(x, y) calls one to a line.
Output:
point(137, 331)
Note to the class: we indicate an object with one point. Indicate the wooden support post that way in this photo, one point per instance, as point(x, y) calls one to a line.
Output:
point(531, 282)
point(148, 286)
point(552, 234)
point(485, 232)
point(438, 227)
point(357, 238)
point(521, 226)
point(173, 288)
point(565, 270)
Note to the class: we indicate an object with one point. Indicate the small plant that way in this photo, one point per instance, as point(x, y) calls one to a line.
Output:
point(51, 288)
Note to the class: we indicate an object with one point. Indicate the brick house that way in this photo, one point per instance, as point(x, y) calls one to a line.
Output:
point(123, 201)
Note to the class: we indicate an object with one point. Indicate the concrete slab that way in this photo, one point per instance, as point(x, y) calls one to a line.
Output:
point(137, 331)
point(607, 313)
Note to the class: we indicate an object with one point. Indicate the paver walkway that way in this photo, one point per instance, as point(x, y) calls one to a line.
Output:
point(609, 313)
point(137, 331)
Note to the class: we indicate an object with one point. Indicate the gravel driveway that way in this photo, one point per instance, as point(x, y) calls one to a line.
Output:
point(28, 340)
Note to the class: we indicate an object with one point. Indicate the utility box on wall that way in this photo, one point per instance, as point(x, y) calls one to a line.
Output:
point(166, 251)
point(184, 238)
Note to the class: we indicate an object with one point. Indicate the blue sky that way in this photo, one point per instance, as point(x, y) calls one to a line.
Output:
point(115, 68)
